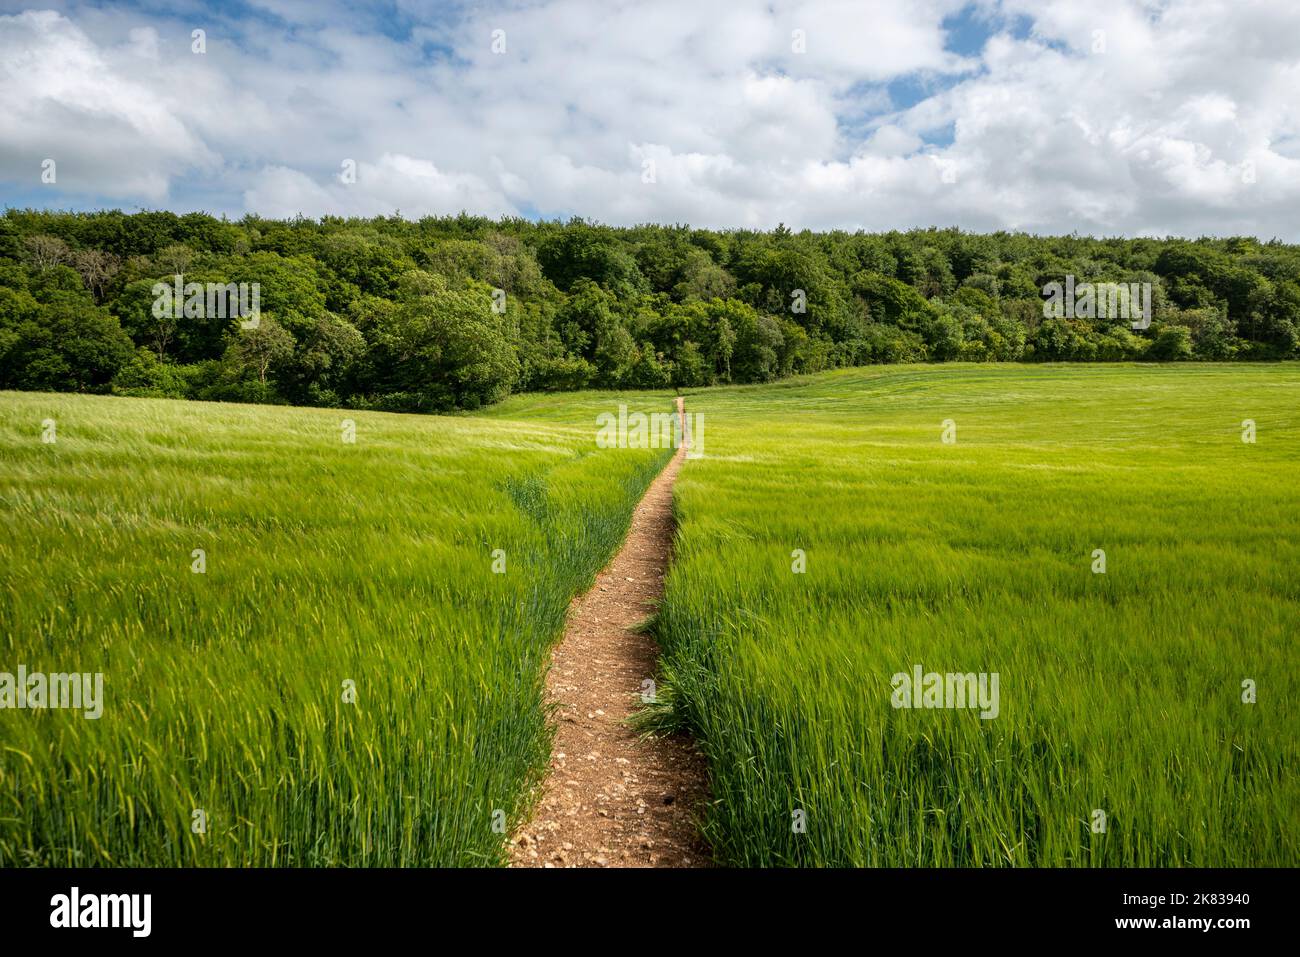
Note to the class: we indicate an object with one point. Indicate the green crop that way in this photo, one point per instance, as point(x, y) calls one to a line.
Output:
point(1120, 693)
point(334, 570)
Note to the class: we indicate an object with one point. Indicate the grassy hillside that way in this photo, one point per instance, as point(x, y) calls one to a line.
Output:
point(334, 569)
point(326, 562)
point(1119, 692)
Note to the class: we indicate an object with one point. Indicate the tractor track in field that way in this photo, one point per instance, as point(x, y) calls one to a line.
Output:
point(613, 798)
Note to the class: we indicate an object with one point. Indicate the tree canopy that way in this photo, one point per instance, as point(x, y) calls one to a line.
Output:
point(454, 312)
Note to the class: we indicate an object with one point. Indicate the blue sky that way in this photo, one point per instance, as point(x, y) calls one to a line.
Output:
point(1108, 117)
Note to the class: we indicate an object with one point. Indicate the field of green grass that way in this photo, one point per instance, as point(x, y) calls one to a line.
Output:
point(1120, 692)
point(349, 682)
point(327, 563)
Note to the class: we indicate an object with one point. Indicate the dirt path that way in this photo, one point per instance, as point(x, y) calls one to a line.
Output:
point(612, 798)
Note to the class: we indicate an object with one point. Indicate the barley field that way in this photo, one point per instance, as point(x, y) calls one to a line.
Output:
point(315, 651)
point(327, 652)
point(1122, 736)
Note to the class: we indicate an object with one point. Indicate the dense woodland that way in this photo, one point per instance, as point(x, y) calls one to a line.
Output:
point(392, 314)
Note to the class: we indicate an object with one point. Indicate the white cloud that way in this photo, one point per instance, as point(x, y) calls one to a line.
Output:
point(65, 98)
point(394, 182)
point(1110, 116)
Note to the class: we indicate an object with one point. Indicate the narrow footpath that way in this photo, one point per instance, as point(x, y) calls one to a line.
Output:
point(613, 798)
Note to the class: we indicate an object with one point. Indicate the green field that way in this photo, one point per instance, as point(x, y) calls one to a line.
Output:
point(372, 563)
point(326, 562)
point(1119, 692)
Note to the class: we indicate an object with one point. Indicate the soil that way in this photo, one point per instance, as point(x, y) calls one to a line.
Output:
point(613, 797)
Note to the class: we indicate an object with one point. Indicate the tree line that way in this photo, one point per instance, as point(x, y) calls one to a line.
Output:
point(455, 312)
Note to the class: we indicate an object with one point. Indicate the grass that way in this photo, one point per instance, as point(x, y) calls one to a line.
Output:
point(326, 563)
point(1119, 692)
point(371, 563)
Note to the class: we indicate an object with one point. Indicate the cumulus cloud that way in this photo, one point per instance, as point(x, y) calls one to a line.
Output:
point(66, 98)
point(1106, 117)
point(393, 183)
